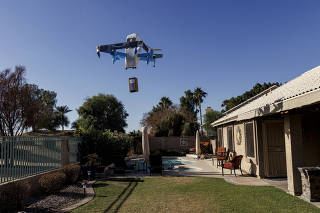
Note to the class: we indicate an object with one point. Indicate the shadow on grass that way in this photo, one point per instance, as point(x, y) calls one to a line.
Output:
point(125, 194)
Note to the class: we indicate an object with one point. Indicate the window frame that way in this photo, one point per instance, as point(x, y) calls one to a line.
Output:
point(232, 139)
point(220, 137)
point(246, 140)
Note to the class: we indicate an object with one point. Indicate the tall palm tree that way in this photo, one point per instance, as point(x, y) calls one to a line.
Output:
point(61, 114)
point(199, 95)
point(165, 103)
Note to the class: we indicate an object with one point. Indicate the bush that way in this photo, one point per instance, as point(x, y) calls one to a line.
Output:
point(72, 173)
point(110, 147)
point(14, 195)
point(52, 181)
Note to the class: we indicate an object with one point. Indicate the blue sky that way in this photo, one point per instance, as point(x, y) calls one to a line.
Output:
point(224, 47)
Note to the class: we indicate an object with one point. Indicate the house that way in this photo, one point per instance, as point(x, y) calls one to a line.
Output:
point(277, 131)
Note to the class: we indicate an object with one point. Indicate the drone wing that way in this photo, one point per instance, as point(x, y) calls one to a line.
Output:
point(148, 57)
point(110, 48)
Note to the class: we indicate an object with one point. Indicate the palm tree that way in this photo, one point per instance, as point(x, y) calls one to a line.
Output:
point(198, 95)
point(165, 103)
point(62, 118)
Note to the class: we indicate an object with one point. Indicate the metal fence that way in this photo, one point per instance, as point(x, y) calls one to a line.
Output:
point(73, 149)
point(25, 156)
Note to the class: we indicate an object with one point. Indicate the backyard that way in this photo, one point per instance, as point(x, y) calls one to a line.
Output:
point(189, 194)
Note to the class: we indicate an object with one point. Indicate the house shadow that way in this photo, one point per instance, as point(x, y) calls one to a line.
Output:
point(277, 106)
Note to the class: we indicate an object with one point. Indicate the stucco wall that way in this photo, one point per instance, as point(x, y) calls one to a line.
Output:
point(248, 164)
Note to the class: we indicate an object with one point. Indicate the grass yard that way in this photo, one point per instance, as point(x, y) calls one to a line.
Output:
point(190, 194)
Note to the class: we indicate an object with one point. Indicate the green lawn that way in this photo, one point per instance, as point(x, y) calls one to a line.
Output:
point(190, 194)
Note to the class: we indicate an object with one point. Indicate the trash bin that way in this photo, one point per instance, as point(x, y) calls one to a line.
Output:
point(310, 177)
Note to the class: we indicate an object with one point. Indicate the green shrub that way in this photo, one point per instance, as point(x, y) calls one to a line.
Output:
point(14, 195)
point(110, 147)
point(52, 181)
point(72, 173)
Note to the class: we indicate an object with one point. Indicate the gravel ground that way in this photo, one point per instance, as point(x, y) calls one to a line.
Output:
point(56, 201)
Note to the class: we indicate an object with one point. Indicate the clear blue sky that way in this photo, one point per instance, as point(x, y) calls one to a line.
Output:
point(225, 47)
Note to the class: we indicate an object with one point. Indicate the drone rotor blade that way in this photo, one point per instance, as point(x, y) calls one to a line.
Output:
point(157, 55)
point(98, 51)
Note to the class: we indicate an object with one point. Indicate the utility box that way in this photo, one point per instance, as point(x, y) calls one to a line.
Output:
point(133, 84)
point(310, 177)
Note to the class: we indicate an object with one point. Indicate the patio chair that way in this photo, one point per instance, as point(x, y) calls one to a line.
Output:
point(234, 164)
point(220, 155)
point(192, 150)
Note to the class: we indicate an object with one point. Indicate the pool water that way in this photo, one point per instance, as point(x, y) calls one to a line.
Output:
point(170, 163)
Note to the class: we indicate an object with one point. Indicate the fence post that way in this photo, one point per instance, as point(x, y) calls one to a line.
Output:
point(65, 150)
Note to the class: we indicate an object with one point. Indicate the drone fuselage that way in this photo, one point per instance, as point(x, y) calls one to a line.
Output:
point(132, 58)
point(133, 46)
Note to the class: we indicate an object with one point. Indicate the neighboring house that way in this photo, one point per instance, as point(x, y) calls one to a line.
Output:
point(277, 130)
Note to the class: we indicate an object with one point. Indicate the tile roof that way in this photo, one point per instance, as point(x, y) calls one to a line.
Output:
point(300, 86)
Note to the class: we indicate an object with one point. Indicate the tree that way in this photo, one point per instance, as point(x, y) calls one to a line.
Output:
point(188, 105)
point(61, 116)
point(13, 95)
point(165, 103)
point(234, 101)
point(166, 119)
point(198, 95)
point(158, 120)
point(102, 112)
point(209, 117)
point(22, 105)
point(42, 114)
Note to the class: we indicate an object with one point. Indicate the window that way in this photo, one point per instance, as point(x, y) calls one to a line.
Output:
point(220, 144)
point(249, 139)
point(230, 138)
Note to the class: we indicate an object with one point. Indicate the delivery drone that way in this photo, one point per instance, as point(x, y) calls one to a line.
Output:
point(132, 55)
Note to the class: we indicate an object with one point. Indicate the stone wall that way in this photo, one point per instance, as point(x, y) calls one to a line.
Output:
point(310, 184)
point(175, 144)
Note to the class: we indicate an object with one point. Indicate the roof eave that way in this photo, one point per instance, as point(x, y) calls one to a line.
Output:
point(289, 104)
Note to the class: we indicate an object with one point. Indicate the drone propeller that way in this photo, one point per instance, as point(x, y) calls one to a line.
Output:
point(156, 49)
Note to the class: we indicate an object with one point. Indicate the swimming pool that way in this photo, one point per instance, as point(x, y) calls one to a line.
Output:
point(176, 163)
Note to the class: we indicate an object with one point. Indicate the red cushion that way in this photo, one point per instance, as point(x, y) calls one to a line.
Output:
point(228, 165)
